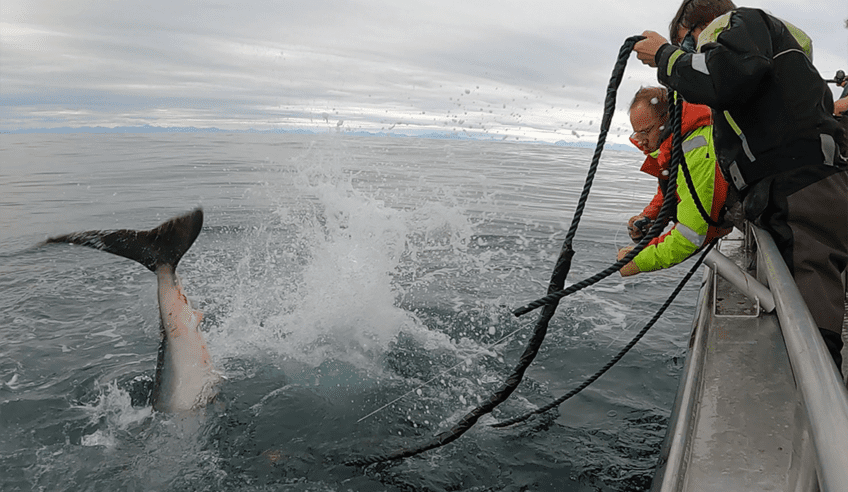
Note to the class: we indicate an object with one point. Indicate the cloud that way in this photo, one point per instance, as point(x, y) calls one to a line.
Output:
point(538, 69)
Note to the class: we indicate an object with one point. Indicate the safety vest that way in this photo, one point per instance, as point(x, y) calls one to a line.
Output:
point(691, 232)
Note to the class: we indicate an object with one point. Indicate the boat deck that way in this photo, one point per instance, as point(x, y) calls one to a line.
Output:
point(738, 423)
point(740, 436)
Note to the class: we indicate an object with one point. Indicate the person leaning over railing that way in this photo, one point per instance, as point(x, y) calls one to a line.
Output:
point(776, 143)
point(649, 117)
point(650, 112)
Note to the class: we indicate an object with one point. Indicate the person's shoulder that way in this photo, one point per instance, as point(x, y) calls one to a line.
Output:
point(703, 129)
point(740, 18)
point(717, 26)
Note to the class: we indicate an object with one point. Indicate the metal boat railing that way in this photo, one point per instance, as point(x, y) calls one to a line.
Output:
point(821, 436)
point(824, 393)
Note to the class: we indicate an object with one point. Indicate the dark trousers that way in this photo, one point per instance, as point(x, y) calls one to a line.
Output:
point(806, 211)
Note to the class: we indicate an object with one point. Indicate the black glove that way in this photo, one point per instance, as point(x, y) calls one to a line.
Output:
point(638, 227)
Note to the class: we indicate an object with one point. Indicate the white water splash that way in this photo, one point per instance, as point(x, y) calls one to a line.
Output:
point(113, 413)
point(322, 282)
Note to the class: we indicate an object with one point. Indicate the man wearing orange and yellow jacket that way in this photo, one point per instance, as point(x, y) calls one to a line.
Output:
point(651, 134)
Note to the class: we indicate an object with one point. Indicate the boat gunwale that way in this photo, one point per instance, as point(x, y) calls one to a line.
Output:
point(822, 397)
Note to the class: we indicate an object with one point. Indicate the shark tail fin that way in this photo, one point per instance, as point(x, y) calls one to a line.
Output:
point(163, 245)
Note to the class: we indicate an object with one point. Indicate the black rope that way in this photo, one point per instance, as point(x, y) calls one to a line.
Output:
point(618, 356)
point(556, 284)
point(656, 228)
point(677, 160)
point(669, 204)
point(700, 206)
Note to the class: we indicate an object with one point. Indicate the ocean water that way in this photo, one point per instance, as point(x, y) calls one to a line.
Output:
point(339, 277)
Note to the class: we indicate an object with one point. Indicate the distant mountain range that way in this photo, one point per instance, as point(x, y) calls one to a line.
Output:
point(409, 134)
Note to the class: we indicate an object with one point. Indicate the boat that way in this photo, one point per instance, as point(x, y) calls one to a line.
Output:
point(760, 404)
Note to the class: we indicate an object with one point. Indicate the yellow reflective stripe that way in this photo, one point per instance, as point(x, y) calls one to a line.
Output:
point(732, 123)
point(673, 58)
point(742, 137)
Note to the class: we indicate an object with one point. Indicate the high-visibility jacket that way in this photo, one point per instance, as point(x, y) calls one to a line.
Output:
point(656, 164)
point(691, 232)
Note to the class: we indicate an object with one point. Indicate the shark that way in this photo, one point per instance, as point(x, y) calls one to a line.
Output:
point(186, 378)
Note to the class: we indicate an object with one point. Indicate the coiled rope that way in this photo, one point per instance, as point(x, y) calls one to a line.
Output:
point(563, 265)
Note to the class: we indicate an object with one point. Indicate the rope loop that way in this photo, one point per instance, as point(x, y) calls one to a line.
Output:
point(555, 287)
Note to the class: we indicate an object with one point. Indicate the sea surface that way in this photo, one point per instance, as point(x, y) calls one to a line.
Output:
point(341, 277)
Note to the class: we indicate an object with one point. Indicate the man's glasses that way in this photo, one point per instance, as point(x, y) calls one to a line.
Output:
point(639, 138)
point(634, 137)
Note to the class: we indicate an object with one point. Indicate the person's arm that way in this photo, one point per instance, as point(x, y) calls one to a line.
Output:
point(840, 105)
point(735, 54)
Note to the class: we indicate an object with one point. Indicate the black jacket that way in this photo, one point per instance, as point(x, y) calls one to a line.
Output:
point(770, 105)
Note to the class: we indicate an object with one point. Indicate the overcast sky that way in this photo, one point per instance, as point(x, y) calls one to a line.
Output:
point(527, 70)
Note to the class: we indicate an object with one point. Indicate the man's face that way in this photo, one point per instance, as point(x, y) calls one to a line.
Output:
point(647, 128)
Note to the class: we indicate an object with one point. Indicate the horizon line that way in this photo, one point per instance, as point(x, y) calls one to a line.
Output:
point(431, 134)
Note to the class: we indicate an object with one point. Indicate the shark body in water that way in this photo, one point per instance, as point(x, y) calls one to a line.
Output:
point(185, 377)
